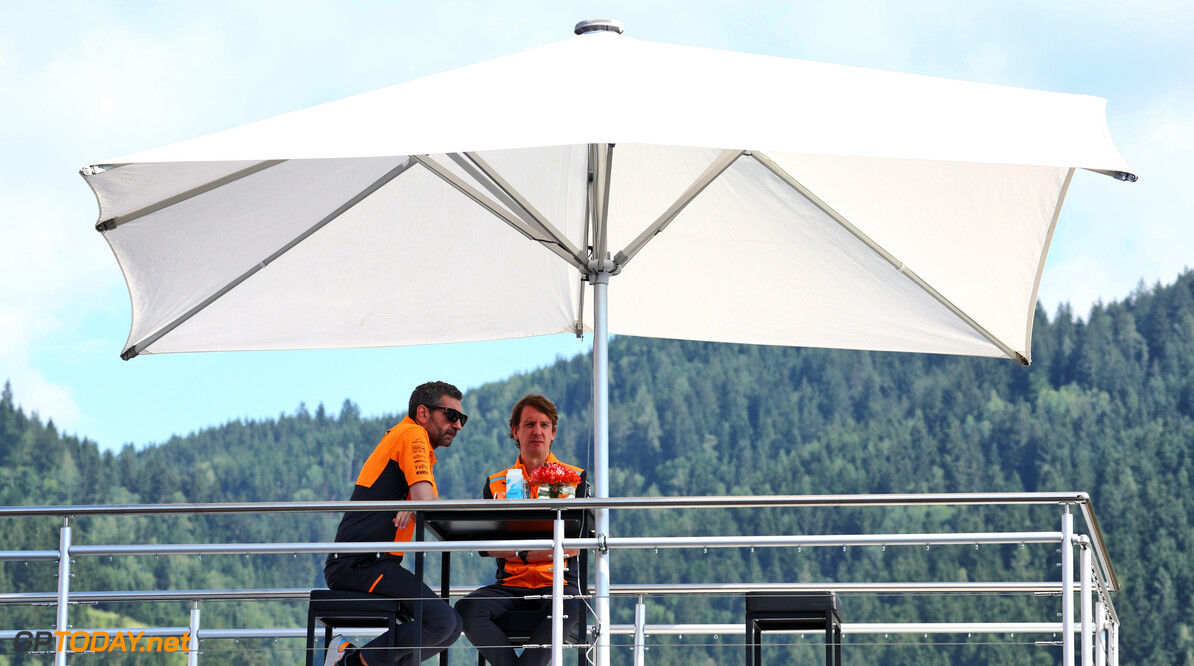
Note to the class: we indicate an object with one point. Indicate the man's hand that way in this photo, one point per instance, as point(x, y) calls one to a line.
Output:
point(422, 491)
point(403, 518)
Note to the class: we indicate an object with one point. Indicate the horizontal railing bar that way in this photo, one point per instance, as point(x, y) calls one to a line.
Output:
point(665, 589)
point(929, 539)
point(28, 555)
point(217, 634)
point(323, 547)
point(856, 628)
point(158, 595)
point(617, 590)
point(922, 539)
point(1105, 571)
point(675, 502)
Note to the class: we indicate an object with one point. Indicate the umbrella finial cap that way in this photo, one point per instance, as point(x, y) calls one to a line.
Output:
point(599, 25)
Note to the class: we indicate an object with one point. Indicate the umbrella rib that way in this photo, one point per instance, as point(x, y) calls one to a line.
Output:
point(113, 222)
point(359, 197)
point(591, 200)
point(718, 167)
point(506, 216)
point(601, 168)
point(504, 191)
point(888, 257)
point(590, 217)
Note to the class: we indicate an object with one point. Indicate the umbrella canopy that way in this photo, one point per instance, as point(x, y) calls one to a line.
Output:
point(741, 198)
point(737, 198)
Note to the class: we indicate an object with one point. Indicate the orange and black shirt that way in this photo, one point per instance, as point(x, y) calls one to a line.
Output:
point(403, 457)
point(513, 572)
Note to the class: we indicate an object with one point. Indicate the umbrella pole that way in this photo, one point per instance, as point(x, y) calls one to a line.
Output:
point(600, 282)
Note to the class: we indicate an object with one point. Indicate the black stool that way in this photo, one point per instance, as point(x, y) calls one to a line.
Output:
point(345, 608)
point(518, 627)
point(777, 611)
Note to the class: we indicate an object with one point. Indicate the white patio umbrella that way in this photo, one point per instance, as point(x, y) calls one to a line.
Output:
point(735, 197)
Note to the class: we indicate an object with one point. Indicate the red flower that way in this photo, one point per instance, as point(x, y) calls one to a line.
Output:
point(554, 474)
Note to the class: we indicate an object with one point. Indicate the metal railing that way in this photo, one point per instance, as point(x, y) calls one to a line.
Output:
point(1097, 631)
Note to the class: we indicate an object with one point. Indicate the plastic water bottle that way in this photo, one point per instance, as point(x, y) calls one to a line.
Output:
point(516, 487)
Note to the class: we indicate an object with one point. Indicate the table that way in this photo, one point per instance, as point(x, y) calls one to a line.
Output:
point(775, 611)
point(474, 525)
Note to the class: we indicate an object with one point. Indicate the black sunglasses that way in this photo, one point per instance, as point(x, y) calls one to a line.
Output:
point(452, 414)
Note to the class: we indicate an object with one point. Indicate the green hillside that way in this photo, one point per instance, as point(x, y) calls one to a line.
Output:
point(1107, 408)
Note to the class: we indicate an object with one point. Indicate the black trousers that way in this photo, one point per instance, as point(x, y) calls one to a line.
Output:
point(483, 605)
point(386, 576)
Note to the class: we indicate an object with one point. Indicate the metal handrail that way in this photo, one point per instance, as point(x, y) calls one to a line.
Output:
point(672, 502)
point(856, 628)
point(1106, 570)
point(618, 590)
point(1092, 543)
point(810, 540)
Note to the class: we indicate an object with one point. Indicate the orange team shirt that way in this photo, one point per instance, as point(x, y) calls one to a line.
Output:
point(402, 458)
point(512, 572)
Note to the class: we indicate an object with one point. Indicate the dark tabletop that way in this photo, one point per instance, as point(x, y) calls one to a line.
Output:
point(465, 525)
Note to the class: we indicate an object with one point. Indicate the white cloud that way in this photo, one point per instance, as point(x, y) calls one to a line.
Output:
point(53, 272)
point(33, 393)
point(1112, 234)
point(1164, 205)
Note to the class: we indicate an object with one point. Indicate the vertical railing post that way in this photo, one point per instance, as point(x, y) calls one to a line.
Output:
point(1084, 576)
point(640, 632)
point(417, 658)
point(1084, 571)
point(1067, 588)
point(1100, 627)
point(1113, 643)
point(559, 564)
point(61, 620)
point(193, 643)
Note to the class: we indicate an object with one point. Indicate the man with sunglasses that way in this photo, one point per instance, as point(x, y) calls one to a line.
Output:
point(400, 468)
point(523, 577)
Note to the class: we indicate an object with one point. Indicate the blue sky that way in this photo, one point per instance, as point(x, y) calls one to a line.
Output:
point(85, 81)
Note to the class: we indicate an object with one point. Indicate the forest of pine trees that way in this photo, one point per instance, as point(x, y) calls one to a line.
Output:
point(1107, 408)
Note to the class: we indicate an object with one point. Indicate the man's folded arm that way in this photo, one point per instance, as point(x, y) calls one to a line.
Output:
point(422, 491)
